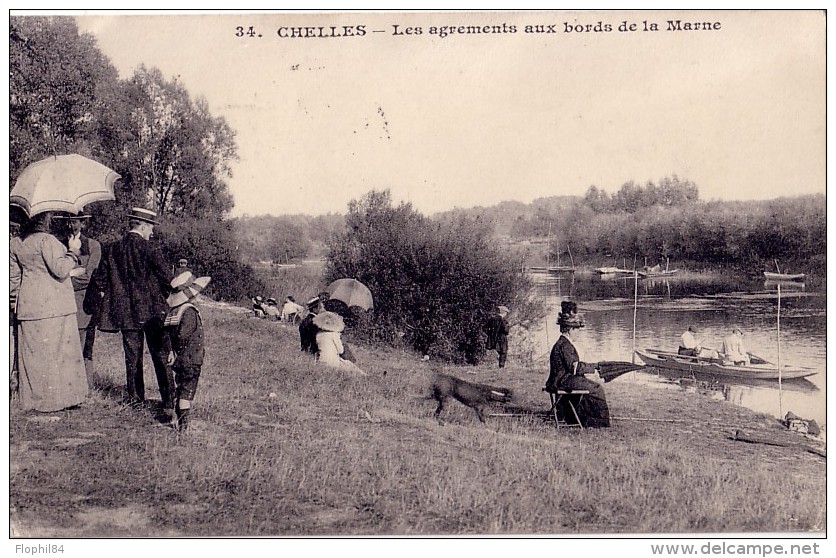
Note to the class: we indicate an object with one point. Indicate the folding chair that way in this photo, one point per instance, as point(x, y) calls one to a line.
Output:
point(557, 396)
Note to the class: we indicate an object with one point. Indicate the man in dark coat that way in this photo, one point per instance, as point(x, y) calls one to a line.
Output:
point(497, 329)
point(133, 281)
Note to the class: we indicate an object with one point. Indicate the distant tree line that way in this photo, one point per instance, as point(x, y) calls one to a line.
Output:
point(286, 238)
point(667, 220)
point(172, 154)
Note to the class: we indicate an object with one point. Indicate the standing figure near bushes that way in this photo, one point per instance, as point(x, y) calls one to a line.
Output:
point(496, 329)
point(185, 328)
point(567, 372)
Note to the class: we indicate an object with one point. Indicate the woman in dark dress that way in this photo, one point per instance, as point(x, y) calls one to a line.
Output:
point(567, 372)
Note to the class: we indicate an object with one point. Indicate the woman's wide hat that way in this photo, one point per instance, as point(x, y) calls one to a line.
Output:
point(186, 287)
point(329, 321)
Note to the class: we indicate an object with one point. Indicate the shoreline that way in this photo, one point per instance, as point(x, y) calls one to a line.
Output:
point(331, 455)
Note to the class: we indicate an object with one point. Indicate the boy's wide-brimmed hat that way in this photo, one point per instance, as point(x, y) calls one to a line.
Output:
point(142, 214)
point(329, 321)
point(186, 287)
point(313, 303)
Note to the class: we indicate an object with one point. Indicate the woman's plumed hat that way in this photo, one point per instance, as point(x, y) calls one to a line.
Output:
point(568, 315)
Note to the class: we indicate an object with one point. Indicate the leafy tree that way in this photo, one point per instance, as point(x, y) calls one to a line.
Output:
point(598, 200)
point(172, 154)
point(433, 282)
point(57, 83)
point(287, 241)
point(175, 154)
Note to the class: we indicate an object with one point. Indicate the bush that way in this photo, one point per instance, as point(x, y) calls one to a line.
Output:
point(209, 246)
point(434, 284)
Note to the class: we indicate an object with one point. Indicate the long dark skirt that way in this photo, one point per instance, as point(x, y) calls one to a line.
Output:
point(592, 409)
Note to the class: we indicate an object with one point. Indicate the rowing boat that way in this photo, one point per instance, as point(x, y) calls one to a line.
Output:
point(662, 273)
point(758, 369)
point(613, 271)
point(552, 269)
point(784, 276)
point(656, 270)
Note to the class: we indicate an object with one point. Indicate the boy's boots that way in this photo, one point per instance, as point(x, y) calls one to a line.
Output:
point(183, 414)
point(183, 419)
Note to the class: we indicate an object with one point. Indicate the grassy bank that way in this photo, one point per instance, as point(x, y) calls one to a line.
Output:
point(281, 446)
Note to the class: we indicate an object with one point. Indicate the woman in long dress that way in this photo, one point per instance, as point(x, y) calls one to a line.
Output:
point(50, 364)
point(567, 372)
point(329, 341)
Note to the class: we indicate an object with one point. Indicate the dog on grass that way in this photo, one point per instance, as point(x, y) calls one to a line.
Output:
point(474, 395)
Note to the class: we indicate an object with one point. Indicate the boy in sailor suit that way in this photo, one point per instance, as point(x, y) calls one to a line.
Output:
point(185, 329)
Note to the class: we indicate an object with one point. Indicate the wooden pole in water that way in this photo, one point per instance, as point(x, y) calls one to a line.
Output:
point(635, 305)
point(549, 248)
point(548, 263)
point(780, 387)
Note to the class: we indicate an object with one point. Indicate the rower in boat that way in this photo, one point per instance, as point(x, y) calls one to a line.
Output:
point(734, 352)
point(688, 344)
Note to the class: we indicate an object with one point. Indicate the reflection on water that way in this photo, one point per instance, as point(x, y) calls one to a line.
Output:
point(665, 307)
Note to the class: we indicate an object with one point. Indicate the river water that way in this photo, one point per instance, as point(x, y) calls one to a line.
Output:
point(665, 307)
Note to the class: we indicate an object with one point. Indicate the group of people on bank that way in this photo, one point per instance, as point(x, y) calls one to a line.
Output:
point(268, 308)
point(64, 286)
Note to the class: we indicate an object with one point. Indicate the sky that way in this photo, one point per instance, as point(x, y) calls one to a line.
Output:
point(476, 119)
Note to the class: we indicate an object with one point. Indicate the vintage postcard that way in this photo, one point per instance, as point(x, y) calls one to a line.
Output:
point(625, 209)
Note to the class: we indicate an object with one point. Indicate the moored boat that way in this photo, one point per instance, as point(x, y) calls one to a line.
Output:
point(552, 269)
point(758, 369)
point(657, 273)
point(656, 270)
point(784, 276)
point(613, 271)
